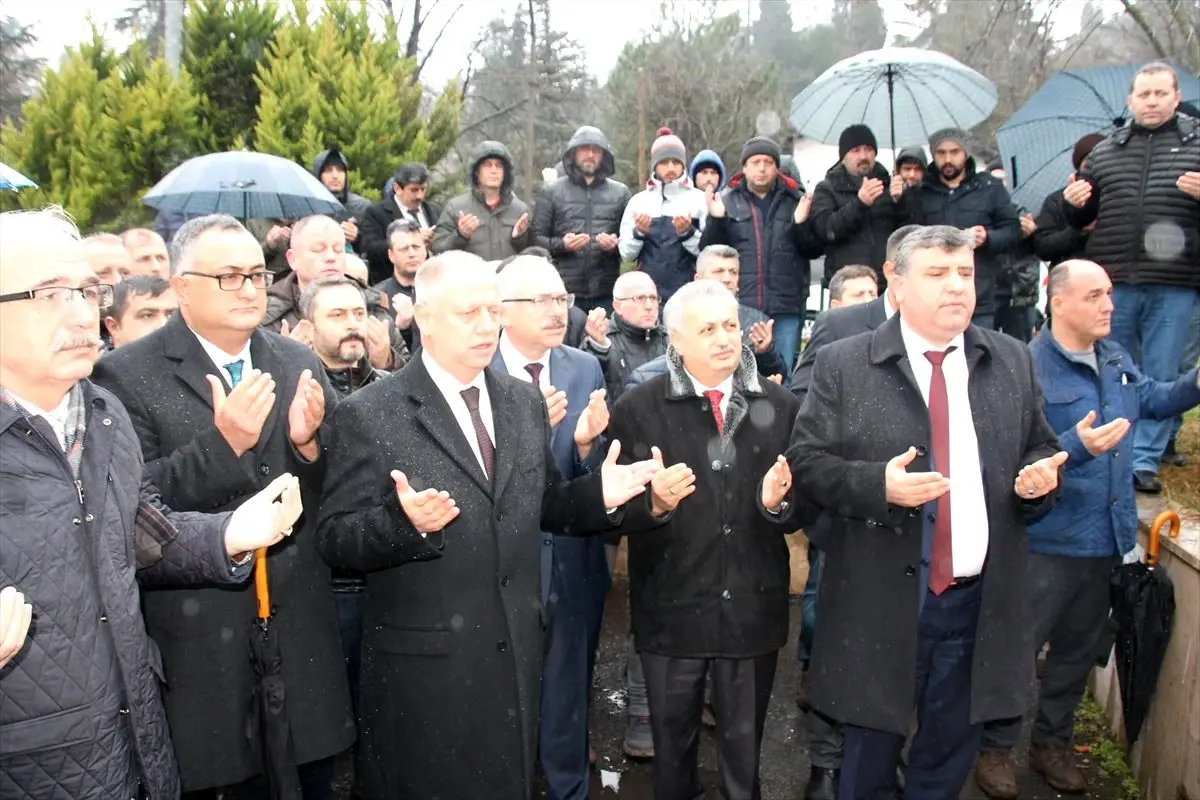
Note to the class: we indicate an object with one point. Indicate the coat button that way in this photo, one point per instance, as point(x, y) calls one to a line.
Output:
point(123, 711)
point(727, 529)
point(504, 581)
point(89, 518)
point(725, 595)
point(501, 646)
point(76, 521)
point(922, 451)
point(914, 512)
point(910, 570)
point(106, 422)
point(104, 618)
point(264, 470)
point(716, 466)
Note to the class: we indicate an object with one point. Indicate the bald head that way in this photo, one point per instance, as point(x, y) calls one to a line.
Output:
point(527, 276)
point(148, 251)
point(1080, 296)
point(635, 299)
point(317, 250)
point(535, 305)
point(108, 258)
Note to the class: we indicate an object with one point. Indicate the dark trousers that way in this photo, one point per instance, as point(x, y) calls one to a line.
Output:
point(1070, 610)
point(1016, 321)
point(824, 733)
point(946, 743)
point(316, 781)
point(578, 584)
point(350, 605)
point(741, 692)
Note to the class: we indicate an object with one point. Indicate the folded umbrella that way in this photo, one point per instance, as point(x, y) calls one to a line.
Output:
point(270, 730)
point(1143, 607)
point(244, 185)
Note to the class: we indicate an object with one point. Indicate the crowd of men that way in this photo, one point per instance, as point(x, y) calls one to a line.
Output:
point(473, 405)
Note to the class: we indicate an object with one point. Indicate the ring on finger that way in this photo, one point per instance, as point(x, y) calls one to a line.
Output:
point(671, 490)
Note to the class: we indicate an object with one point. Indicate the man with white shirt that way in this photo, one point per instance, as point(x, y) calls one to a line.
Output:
point(82, 530)
point(926, 443)
point(708, 563)
point(221, 407)
point(575, 577)
point(440, 481)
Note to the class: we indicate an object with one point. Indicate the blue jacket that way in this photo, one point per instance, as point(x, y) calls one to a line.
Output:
point(1096, 514)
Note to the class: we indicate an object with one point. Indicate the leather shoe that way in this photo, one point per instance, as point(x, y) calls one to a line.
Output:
point(1172, 457)
point(822, 784)
point(1054, 763)
point(1146, 482)
point(995, 776)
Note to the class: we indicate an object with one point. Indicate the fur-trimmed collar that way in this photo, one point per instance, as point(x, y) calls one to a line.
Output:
point(745, 384)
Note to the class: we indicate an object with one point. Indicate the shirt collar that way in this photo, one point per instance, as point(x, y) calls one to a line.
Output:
point(887, 306)
point(57, 415)
point(516, 361)
point(218, 356)
point(917, 346)
point(447, 383)
point(725, 387)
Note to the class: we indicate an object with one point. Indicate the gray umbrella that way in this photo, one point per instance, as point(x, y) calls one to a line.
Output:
point(243, 184)
point(1036, 141)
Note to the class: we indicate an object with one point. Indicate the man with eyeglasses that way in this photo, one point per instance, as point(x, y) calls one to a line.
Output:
point(406, 252)
point(81, 528)
point(221, 407)
point(634, 335)
point(575, 577)
point(317, 252)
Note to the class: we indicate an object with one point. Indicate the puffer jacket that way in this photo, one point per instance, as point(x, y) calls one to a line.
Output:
point(979, 200)
point(629, 347)
point(571, 205)
point(81, 714)
point(773, 250)
point(1147, 229)
point(493, 239)
point(669, 258)
point(854, 232)
point(1096, 514)
point(354, 205)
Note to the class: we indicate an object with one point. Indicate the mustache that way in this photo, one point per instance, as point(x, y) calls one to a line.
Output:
point(353, 337)
point(77, 341)
point(556, 324)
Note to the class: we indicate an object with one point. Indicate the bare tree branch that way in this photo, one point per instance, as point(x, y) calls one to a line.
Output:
point(429, 13)
point(1140, 18)
point(479, 123)
point(436, 39)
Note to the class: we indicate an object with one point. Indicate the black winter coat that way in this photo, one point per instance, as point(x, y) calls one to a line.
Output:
point(979, 200)
point(864, 407)
point(1147, 229)
point(571, 205)
point(372, 234)
point(774, 251)
point(709, 580)
point(81, 712)
point(854, 233)
point(629, 348)
point(1055, 239)
point(203, 632)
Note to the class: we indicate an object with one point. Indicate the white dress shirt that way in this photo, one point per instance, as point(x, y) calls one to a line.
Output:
point(451, 388)
point(888, 310)
point(220, 358)
point(725, 387)
point(417, 216)
point(57, 418)
point(968, 505)
point(515, 363)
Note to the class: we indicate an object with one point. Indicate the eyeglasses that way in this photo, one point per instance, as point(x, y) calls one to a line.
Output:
point(234, 281)
point(99, 295)
point(543, 301)
point(641, 299)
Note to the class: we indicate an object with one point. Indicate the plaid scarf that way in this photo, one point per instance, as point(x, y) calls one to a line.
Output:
point(76, 424)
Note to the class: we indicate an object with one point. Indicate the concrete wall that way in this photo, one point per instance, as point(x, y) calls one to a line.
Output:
point(1166, 757)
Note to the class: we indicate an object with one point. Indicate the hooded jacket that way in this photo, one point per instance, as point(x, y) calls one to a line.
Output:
point(912, 154)
point(707, 158)
point(493, 240)
point(355, 205)
point(979, 200)
point(854, 232)
point(570, 205)
point(669, 258)
point(773, 250)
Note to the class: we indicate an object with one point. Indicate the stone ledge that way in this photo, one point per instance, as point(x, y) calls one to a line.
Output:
point(1187, 546)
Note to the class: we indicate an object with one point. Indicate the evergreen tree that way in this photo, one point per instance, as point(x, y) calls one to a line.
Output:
point(146, 20)
point(18, 70)
point(800, 56)
point(860, 25)
point(224, 40)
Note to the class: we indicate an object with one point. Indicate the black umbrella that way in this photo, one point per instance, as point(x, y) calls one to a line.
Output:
point(270, 730)
point(1143, 606)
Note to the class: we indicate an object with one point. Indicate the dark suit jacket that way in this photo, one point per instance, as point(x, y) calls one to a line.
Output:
point(203, 632)
point(862, 409)
point(831, 326)
point(372, 234)
point(452, 641)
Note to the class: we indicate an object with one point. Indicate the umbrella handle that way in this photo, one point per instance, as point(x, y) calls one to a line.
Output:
point(1171, 520)
point(263, 595)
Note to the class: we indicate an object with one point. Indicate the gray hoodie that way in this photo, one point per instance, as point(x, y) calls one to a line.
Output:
point(493, 240)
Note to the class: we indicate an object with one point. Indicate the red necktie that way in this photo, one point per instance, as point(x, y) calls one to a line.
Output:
point(487, 450)
point(941, 567)
point(534, 368)
point(714, 399)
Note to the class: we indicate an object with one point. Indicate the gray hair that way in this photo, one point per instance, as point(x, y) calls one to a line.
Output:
point(184, 241)
point(433, 275)
point(309, 295)
point(42, 238)
point(714, 252)
point(689, 292)
point(893, 241)
point(931, 237)
point(519, 269)
point(850, 272)
point(103, 239)
point(401, 224)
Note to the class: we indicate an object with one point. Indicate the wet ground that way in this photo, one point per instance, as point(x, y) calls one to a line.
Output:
point(785, 764)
